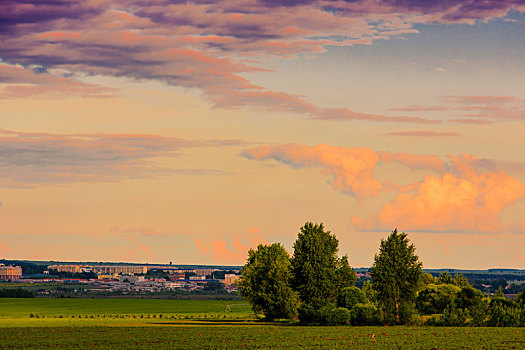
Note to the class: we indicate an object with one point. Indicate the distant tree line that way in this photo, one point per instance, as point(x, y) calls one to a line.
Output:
point(16, 293)
point(315, 286)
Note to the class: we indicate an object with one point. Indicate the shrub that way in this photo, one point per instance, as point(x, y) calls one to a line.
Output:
point(455, 317)
point(435, 298)
point(311, 315)
point(502, 315)
point(337, 317)
point(365, 315)
point(349, 297)
point(469, 297)
point(479, 313)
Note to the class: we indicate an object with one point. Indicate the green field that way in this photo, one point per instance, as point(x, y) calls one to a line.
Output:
point(67, 307)
point(208, 324)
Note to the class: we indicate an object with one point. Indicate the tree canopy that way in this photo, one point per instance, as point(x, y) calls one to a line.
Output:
point(318, 274)
point(396, 273)
point(265, 282)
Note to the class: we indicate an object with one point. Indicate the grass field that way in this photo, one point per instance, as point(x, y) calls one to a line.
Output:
point(186, 324)
point(67, 307)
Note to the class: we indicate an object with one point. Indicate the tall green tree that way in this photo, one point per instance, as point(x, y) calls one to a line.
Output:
point(318, 274)
point(266, 282)
point(396, 273)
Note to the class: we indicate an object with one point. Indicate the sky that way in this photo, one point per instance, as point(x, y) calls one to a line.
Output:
point(165, 130)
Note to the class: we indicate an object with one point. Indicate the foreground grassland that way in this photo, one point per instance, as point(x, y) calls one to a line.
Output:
point(209, 324)
point(179, 335)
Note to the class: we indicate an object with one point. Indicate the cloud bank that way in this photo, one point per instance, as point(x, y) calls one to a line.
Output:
point(28, 159)
point(464, 193)
point(205, 45)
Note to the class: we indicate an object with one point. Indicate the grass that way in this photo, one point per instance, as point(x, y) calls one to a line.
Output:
point(179, 335)
point(204, 324)
point(66, 307)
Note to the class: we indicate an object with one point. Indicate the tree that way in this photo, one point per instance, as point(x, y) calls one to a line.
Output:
point(318, 274)
point(265, 282)
point(520, 299)
point(350, 296)
point(395, 274)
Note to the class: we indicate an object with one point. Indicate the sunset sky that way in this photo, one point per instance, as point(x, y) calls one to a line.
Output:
point(157, 131)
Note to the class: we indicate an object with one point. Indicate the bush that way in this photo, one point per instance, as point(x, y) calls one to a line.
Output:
point(435, 298)
point(451, 317)
point(337, 317)
point(349, 297)
point(469, 297)
point(308, 313)
point(365, 315)
point(479, 313)
point(455, 317)
point(502, 315)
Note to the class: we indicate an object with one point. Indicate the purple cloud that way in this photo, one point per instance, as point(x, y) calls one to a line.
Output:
point(210, 44)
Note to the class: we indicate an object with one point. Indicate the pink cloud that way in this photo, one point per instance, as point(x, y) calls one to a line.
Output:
point(23, 82)
point(136, 231)
point(418, 108)
point(424, 133)
point(208, 45)
point(36, 158)
point(476, 109)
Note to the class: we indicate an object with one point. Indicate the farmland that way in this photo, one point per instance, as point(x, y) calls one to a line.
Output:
point(67, 307)
point(181, 335)
point(160, 324)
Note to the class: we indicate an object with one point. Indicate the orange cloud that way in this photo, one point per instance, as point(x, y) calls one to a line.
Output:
point(141, 249)
point(200, 246)
point(351, 169)
point(3, 249)
point(221, 252)
point(468, 195)
point(415, 161)
point(468, 201)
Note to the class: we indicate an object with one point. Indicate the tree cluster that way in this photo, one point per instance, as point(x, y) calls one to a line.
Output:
point(318, 287)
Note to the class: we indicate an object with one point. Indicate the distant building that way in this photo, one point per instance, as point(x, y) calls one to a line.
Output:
point(204, 272)
point(107, 276)
point(177, 276)
point(131, 279)
point(120, 269)
point(10, 272)
point(65, 268)
point(230, 279)
point(197, 278)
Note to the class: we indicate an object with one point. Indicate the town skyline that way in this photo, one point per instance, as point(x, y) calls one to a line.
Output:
point(167, 131)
